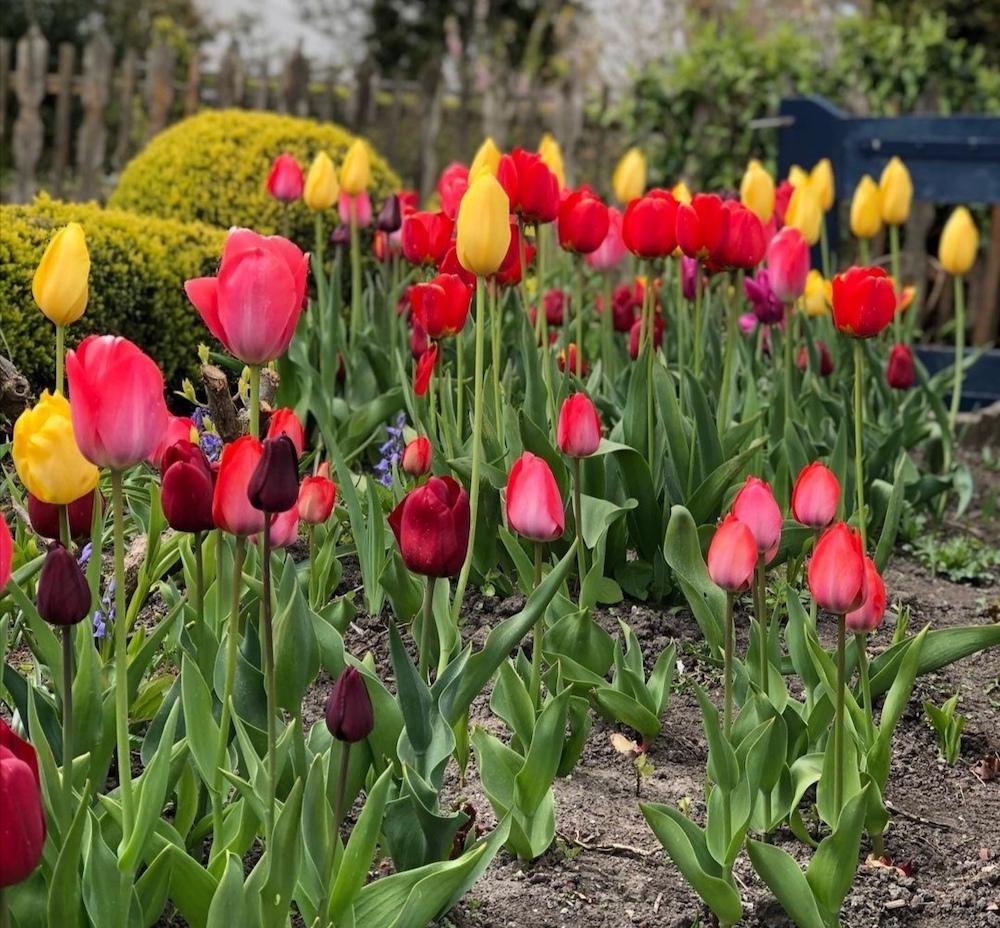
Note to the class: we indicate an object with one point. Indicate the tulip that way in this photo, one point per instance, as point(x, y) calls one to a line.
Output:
point(797, 176)
point(22, 814)
point(284, 422)
point(425, 369)
point(426, 237)
point(788, 264)
point(187, 488)
point(959, 242)
point(441, 306)
point(899, 372)
point(46, 454)
point(253, 305)
point(178, 428)
point(537, 196)
point(572, 353)
point(63, 596)
point(317, 497)
point(534, 505)
point(895, 193)
point(757, 191)
point(60, 282)
point(629, 180)
point(510, 272)
point(867, 617)
point(649, 226)
point(285, 181)
point(732, 555)
point(355, 172)
point(815, 496)
point(283, 528)
point(451, 187)
point(390, 216)
point(866, 209)
point(359, 206)
point(483, 226)
point(431, 526)
point(744, 244)
point(321, 188)
point(583, 222)
point(821, 181)
point(610, 252)
point(837, 570)
point(818, 295)
point(417, 456)
point(551, 154)
point(486, 159)
point(863, 301)
point(635, 335)
point(231, 508)
point(274, 483)
point(6, 551)
point(349, 708)
point(119, 413)
point(579, 429)
point(680, 192)
point(767, 308)
point(805, 213)
point(756, 506)
point(701, 225)
point(825, 359)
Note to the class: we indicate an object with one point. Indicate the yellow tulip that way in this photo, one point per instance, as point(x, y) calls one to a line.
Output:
point(797, 176)
point(321, 189)
point(821, 181)
point(483, 226)
point(866, 209)
point(896, 191)
point(804, 213)
point(487, 157)
point(757, 191)
point(629, 179)
point(60, 283)
point(356, 171)
point(818, 295)
point(959, 242)
point(46, 455)
point(551, 154)
point(681, 192)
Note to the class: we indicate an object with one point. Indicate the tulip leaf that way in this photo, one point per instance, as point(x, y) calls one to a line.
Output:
point(200, 726)
point(674, 427)
point(537, 442)
point(535, 778)
point(578, 637)
point(273, 879)
point(296, 651)
point(783, 877)
point(153, 886)
point(101, 877)
point(893, 510)
point(510, 701)
point(705, 503)
point(645, 519)
point(65, 899)
point(707, 445)
point(617, 706)
point(832, 868)
point(229, 904)
point(598, 515)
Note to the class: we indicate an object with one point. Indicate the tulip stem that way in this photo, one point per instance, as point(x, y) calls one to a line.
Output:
point(355, 277)
point(205, 655)
point(697, 325)
point(897, 320)
point(320, 275)
point(269, 681)
point(477, 445)
point(824, 248)
point(60, 358)
point(727, 357)
point(535, 683)
point(607, 329)
point(4, 909)
point(426, 629)
point(254, 410)
point(227, 693)
point(649, 320)
point(338, 805)
point(581, 554)
point(956, 388)
point(789, 323)
point(66, 816)
point(838, 721)
point(862, 252)
point(859, 409)
point(460, 386)
point(861, 641)
point(121, 661)
point(759, 608)
point(727, 676)
point(496, 325)
point(578, 308)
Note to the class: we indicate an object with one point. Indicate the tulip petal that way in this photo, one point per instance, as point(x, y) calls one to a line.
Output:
point(203, 292)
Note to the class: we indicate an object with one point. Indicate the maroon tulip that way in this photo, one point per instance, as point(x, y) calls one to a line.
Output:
point(274, 483)
point(900, 372)
point(349, 713)
point(63, 596)
point(732, 555)
point(187, 488)
point(431, 526)
point(44, 517)
point(825, 359)
point(178, 427)
point(22, 815)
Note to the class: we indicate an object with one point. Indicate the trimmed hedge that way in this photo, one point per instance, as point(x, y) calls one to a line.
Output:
point(213, 167)
point(138, 268)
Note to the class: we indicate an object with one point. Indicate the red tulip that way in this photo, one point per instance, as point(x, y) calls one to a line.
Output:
point(534, 505)
point(451, 187)
point(253, 305)
point(579, 430)
point(782, 196)
point(571, 352)
point(63, 595)
point(509, 273)
point(815, 496)
point(286, 180)
point(284, 422)
point(756, 506)
point(317, 497)
point(743, 245)
point(451, 265)
point(441, 306)
point(417, 456)
point(837, 570)
point(583, 222)
point(22, 815)
point(231, 508)
point(610, 252)
point(431, 526)
point(864, 301)
point(178, 428)
point(536, 190)
point(349, 709)
point(649, 226)
point(788, 264)
point(44, 517)
point(187, 488)
point(825, 359)
point(425, 370)
point(274, 483)
point(900, 372)
point(426, 237)
point(6, 551)
point(732, 555)
point(118, 410)
point(635, 333)
point(868, 615)
point(702, 225)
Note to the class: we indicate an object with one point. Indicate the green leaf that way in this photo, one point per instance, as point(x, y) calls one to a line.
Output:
point(296, 652)
point(535, 778)
point(832, 870)
point(705, 504)
point(580, 638)
point(890, 525)
point(229, 904)
point(152, 887)
point(682, 551)
point(617, 706)
point(201, 728)
point(788, 883)
point(510, 701)
point(273, 879)
point(64, 905)
point(101, 876)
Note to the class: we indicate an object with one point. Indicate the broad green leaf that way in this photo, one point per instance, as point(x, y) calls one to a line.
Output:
point(229, 904)
point(832, 870)
point(682, 551)
point(788, 883)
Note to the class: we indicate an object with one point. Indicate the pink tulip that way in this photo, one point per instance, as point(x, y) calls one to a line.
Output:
point(362, 206)
point(868, 615)
point(579, 430)
point(179, 428)
point(6, 551)
point(837, 570)
point(788, 264)
point(815, 496)
point(119, 414)
point(756, 506)
point(286, 181)
point(732, 555)
point(253, 306)
point(534, 505)
point(284, 529)
point(610, 252)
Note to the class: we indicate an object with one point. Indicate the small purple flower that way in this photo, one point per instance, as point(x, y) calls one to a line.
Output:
point(84, 559)
point(106, 613)
point(391, 450)
point(766, 306)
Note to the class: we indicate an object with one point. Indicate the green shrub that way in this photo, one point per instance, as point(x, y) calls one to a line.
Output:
point(138, 268)
point(213, 168)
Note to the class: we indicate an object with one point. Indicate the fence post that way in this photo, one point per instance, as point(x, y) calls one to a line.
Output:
point(192, 85)
point(64, 108)
point(295, 96)
point(91, 142)
point(126, 97)
point(161, 60)
point(29, 85)
point(263, 89)
point(5, 55)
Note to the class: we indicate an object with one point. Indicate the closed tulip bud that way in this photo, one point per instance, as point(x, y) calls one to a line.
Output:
point(417, 456)
point(359, 206)
point(895, 193)
point(788, 264)
point(629, 180)
point(317, 497)
point(426, 237)
point(534, 505)
point(486, 159)
point(390, 216)
point(187, 488)
point(837, 570)
point(284, 422)
point(959, 242)
point(537, 188)
point(22, 812)
point(579, 429)
point(757, 191)
point(231, 509)
point(349, 709)
point(815, 496)
point(63, 596)
point(900, 372)
point(46, 454)
point(702, 225)
point(285, 181)
point(825, 359)
point(44, 517)
point(798, 176)
point(355, 172)
point(864, 301)
point(440, 307)
point(431, 526)
point(483, 226)
point(6, 551)
point(60, 282)
point(321, 188)
point(732, 555)
point(743, 246)
point(866, 209)
point(551, 154)
point(756, 506)
point(610, 252)
point(178, 428)
point(274, 484)
point(570, 352)
point(583, 222)
point(649, 226)
point(821, 181)
point(804, 213)
point(283, 527)
point(818, 295)
point(681, 192)
point(635, 335)
point(867, 617)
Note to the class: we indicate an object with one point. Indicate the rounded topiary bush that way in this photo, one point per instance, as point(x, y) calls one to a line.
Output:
point(137, 273)
point(213, 168)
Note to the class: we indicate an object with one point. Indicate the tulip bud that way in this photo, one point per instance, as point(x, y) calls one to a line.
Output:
point(187, 488)
point(756, 506)
point(821, 181)
point(837, 570)
point(355, 172)
point(815, 496)
point(23, 813)
point(44, 517)
point(899, 372)
point(6, 552)
point(417, 456)
point(804, 213)
point(285, 181)
point(60, 282)
point(63, 596)
point(866, 209)
point(284, 422)
point(321, 187)
point(431, 526)
point(864, 301)
point(732, 555)
point(483, 226)
point(486, 159)
point(317, 497)
point(570, 353)
point(579, 430)
point(818, 295)
point(349, 713)
point(868, 615)
point(681, 192)
point(757, 191)
point(629, 180)
point(825, 359)
point(390, 216)
point(959, 242)
point(551, 154)
point(274, 484)
point(797, 176)
point(534, 504)
point(895, 192)
point(788, 264)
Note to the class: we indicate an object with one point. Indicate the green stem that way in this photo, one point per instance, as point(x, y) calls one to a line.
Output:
point(254, 410)
point(789, 321)
point(313, 574)
point(284, 221)
point(838, 721)
point(727, 676)
point(270, 684)
point(318, 271)
point(338, 806)
point(581, 554)
point(759, 604)
point(355, 278)
point(60, 358)
point(578, 308)
point(427, 629)
point(859, 361)
point(460, 386)
point(897, 284)
point(121, 661)
point(66, 812)
point(824, 248)
point(861, 641)
point(863, 251)
point(697, 326)
point(956, 388)
point(727, 357)
point(813, 607)
point(607, 330)
point(495, 332)
point(649, 309)
point(206, 658)
point(535, 683)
